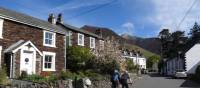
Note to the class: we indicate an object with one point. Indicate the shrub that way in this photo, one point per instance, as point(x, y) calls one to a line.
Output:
point(197, 73)
point(152, 60)
point(3, 76)
point(130, 66)
point(68, 75)
point(34, 78)
point(108, 66)
point(39, 78)
point(81, 74)
point(23, 75)
point(78, 58)
point(93, 75)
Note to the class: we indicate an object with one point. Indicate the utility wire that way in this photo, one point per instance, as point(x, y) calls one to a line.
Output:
point(186, 14)
point(91, 10)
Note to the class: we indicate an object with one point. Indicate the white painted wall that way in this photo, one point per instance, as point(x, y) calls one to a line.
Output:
point(142, 62)
point(174, 64)
point(138, 60)
point(192, 59)
point(0, 55)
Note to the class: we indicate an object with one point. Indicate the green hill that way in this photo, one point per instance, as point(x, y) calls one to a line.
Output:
point(146, 53)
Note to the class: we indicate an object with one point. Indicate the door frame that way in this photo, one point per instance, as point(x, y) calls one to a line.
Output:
point(33, 61)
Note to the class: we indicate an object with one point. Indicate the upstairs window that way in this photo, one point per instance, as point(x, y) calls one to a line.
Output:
point(69, 38)
point(92, 42)
point(49, 39)
point(1, 27)
point(80, 39)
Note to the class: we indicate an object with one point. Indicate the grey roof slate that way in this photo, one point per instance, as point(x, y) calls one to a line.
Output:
point(80, 30)
point(14, 46)
point(28, 20)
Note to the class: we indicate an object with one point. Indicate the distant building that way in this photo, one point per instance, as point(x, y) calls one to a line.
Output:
point(136, 57)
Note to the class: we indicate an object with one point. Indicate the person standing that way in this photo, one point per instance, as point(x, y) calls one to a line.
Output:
point(115, 78)
point(124, 79)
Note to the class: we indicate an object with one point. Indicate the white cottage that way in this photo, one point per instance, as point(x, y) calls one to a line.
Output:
point(192, 59)
point(189, 62)
point(138, 60)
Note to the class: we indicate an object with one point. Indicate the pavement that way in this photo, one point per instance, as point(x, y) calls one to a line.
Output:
point(157, 81)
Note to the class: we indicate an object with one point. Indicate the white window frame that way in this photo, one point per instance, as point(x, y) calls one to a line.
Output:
point(1, 28)
point(53, 39)
point(101, 44)
point(53, 61)
point(81, 44)
point(91, 38)
point(69, 36)
point(0, 55)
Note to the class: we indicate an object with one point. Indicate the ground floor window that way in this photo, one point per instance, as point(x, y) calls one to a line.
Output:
point(49, 61)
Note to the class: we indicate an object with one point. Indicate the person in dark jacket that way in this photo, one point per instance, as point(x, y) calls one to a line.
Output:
point(115, 78)
point(124, 79)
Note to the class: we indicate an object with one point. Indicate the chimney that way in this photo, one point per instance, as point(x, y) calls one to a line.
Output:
point(52, 19)
point(60, 19)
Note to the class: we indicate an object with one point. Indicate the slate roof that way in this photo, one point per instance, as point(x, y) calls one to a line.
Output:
point(79, 30)
point(35, 22)
point(14, 46)
point(28, 20)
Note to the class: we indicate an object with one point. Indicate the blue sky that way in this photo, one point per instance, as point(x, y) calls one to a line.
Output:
point(143, 18)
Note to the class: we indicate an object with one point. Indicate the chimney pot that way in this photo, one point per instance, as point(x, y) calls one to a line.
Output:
point(51, 18)
point(60, 18)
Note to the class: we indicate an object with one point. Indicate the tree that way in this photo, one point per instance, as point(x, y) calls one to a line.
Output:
point(195, 30)
point(78, 58)
point(177, 43)
point(177, 35)
point(164, 35)
point(109, 56)
point(152, 60)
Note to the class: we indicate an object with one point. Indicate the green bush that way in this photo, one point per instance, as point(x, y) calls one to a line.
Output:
point(152, 60)
point(37, 78)
point(78, 58)
point(71, 75)
point(93, 75)
point(130, 66)
point(3, 76)
point(23, 75)
point(81, 74)
point(108, 66)
point(34, 78)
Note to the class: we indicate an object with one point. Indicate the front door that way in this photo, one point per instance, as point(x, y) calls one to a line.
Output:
point(27, 62)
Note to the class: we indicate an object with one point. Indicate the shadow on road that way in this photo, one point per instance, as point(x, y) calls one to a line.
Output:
point(154, 75)
point(189, 83)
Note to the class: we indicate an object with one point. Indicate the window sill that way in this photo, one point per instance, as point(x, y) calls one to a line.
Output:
point(92, 47)
point(48, 70)
point(80, 45)
point(49, 45)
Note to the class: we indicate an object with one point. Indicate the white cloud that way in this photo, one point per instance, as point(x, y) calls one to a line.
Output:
point(128, 28)
point(169, 13)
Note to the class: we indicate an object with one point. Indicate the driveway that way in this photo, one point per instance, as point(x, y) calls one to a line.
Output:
point(156, 81)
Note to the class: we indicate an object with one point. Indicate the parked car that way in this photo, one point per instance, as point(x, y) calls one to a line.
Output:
point(180, 74)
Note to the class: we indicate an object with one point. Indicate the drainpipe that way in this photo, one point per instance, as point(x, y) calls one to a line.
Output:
point(65, 46)
point(11, 65)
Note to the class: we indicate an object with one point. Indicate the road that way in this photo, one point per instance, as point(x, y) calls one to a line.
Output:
point(155, 81)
